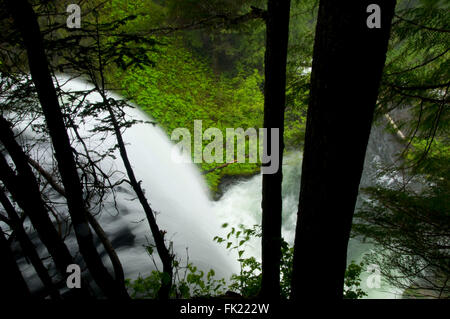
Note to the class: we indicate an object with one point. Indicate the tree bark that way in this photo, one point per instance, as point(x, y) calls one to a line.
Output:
point(115, 261)
point(347, 65)
point(13, 283)
point(26, 22)
point(158, 236)
point(28, 247)
point(277, 34)
point(29, 199)
point(31, 203)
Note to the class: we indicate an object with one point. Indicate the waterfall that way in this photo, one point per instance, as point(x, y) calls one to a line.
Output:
point(177, 192)
point(241, 202)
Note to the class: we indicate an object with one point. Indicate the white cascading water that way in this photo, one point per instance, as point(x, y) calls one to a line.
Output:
point(178, 193)
point(241, 202)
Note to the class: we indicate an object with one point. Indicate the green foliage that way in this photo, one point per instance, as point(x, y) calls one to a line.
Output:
point(229, 49)
point(144, 287)
point(297, 94)
point(352, 281)
point(410, 225)
point(192, 80)
point(248, 282)
point(188, 282)
point(408, 219)
point(287, 261)
point(181, 89)
point(417, 67)
point(149, 14)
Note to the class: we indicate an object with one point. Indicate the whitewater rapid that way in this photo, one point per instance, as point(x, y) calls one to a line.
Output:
point(176, 191)
point(179, 195)
point(241, 202)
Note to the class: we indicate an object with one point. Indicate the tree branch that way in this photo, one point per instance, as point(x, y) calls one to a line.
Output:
point(213, 21)
point(422, 26)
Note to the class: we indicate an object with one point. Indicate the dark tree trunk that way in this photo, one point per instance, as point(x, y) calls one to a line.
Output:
point(158, 236)
point(115, 261)
point(29, 198)
point(13, 284)
point(347, 66)
point(28, 247)
point(26, 22)
point(277, 26)
point(30, 201)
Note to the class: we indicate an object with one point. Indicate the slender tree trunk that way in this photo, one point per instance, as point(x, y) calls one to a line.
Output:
point(29, 199)
point(158, 236)
point(28, 247)
point(115, 261)
point(13, 284)
point(277, 26)
point(26, 22)
point(347, 66)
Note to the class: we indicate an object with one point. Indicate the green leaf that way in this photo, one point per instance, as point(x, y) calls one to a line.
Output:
point(165, 278)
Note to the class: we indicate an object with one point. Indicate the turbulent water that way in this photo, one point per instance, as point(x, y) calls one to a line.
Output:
point(241, 202)
point(179, 195)
point(176, 191)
